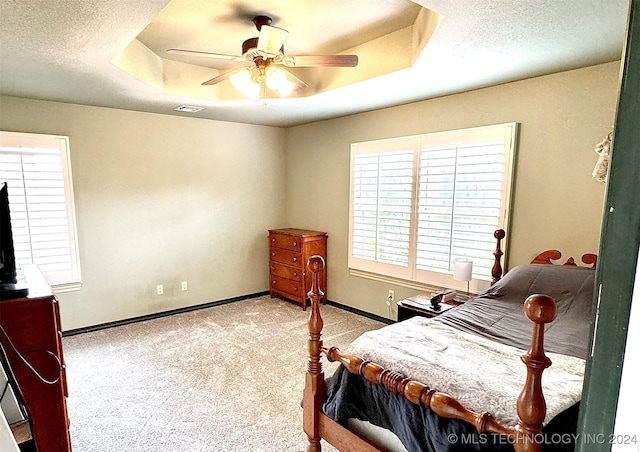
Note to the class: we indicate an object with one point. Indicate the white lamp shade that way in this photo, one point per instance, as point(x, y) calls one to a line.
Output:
point(243, 82)
point(277, 80)
point(462, 269)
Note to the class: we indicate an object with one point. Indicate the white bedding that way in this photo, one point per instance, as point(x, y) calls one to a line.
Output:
point(481, 374)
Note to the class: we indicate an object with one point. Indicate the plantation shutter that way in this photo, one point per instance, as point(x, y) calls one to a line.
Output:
point(420, 202)
point(459, 205)
point(436, 208)
point(40, 202)
point(382, 189)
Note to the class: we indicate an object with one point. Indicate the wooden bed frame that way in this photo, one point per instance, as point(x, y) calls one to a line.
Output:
point(531, 407)
point(553, 255)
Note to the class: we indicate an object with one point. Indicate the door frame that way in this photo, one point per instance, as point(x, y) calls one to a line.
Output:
point(617, 263)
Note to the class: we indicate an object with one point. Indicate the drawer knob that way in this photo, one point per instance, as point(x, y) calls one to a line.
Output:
point(273, 240)
point(273, 253)
point(295, 259)
point(273, 282)
point(295, 273)
point(295, 289)
point(295, 243)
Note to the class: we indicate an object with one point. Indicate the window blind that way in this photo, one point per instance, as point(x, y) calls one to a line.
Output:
point(459, 205)
point(35, 168)
point(382, 207)
point(418, 203)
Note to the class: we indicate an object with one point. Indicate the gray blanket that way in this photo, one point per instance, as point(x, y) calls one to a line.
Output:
point(498, 313)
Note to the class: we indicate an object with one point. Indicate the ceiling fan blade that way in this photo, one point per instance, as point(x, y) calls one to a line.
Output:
point(321, 60)
point(221, 77)
point(299, 83)
point(206, 54)
point(271, 39)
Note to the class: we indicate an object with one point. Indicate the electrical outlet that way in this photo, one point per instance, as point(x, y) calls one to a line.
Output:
point(159, 289)
point(184, 285)
point(391, 296)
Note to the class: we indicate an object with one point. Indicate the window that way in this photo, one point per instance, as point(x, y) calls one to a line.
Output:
point(418, 203)
point(38, 175)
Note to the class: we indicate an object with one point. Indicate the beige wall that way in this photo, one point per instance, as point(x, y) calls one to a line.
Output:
point(557, 202)
point(159, 200)
point(162, 199)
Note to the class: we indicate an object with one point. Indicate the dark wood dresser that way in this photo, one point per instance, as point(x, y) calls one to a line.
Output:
point(289, 251)
point(33, 325)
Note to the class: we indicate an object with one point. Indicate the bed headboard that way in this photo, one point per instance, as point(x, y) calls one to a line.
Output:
point(553, 255)
point(546, 257)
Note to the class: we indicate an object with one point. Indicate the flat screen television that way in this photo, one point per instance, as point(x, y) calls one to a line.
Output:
point(11, 286)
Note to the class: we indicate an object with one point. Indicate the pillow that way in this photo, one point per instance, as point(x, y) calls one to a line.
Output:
point(566, 284)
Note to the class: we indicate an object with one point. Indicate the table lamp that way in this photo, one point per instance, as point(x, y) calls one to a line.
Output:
point(462, 271)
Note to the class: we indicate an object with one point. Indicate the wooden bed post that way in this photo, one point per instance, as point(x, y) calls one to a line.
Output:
point(531, 407)
point(496, 270)
point(315, 387)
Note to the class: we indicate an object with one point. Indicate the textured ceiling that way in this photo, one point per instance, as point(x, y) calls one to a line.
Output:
point(64, 50)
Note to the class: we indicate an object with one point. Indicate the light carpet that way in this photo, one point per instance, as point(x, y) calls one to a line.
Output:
point(225, 378)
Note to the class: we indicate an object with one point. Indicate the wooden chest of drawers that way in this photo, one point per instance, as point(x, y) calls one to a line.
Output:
point(33, 325)
point(289, 251)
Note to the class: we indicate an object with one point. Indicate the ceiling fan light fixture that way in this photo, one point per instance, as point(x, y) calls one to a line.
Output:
point(286, 88)
point(266, 52)
point(271, 40)
point(277, 80)
point(242, 80)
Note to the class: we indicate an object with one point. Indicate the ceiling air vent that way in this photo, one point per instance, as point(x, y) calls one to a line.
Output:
point(188, 109)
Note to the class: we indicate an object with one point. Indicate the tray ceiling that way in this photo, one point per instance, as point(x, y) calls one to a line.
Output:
point(75, 52)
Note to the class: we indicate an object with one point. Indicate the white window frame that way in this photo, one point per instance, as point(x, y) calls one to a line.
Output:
point(18, 143)
point(410, 275)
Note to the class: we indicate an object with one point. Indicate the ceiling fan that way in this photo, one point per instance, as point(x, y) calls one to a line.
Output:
point(266, 53)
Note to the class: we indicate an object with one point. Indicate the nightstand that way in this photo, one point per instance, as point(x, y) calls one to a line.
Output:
point(421, 306)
